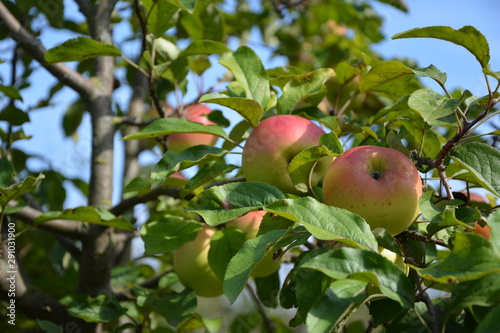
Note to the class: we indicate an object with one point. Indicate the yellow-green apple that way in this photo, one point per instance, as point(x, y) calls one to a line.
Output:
point(249, 224)
point(380, 184)
point(181, 141)
point(191, 265)
point(273, 144)
point(395, 258)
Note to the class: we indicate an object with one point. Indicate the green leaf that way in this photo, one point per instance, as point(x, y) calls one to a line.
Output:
point(222, 203)
point(103, 308)
point(87, 214)
point(367, 266)
point(73, 117)
point(241, 265)
point(160, 16)
point(224, 244)
point(399, 4)
point(78, 49)
point(431, 72)
point(490, 323)
point(174, 307)
point(187, 5)
point(14, 116)
point(384, 73)
point(482, 292)
point(304, 162)
point(267, 288)
point(326, 222)
point(249, 71)
point(173, 162)
point(494, 224)
point(467, 36)
point(339, 302)
point(303, 87)
point(249, 109)
point(433, 106)
point(166, 126)
point(168, 234)
point(204, 47)
point(482, 161)
point(6, 172)
point(28, 184)
point(471, 258)
point(11, 92)
point(49, 327)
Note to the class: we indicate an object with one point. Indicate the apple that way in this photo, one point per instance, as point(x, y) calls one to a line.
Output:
point(191, 265)
point(249, 224)
point(181, 141)
point(395, 258)
point(477, 228)
point(380, 184)
point(273, 144)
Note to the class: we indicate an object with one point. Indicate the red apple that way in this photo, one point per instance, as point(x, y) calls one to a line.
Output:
point(181, 141)
point(191, 265)
point(380, 184)
point(273, 144)
point(249, 224)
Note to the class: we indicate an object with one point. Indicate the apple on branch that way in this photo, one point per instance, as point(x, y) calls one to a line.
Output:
point(477, 228)
point(180, 141)
point(380, 184)
point(192, 267)
point(273, 144)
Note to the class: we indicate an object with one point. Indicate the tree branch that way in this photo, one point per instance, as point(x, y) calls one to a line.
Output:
point(65, 228)
point(33, 46)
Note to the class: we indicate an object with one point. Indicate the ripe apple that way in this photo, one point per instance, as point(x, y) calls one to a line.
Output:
point(191, 265)
point(249, 224)
point(380, 184)
point(273, 144)
point(181, 141)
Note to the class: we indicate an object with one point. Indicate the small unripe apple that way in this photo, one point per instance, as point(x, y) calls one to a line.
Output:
point(191, 265)
point(380, 184)
point(181, 141)
point(249, 224)
point(273, 144)
point(395, 258)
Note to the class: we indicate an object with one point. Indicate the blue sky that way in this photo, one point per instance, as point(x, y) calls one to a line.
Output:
point(71, 157)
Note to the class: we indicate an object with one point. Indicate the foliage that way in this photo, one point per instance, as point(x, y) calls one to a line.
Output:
point(77, 259)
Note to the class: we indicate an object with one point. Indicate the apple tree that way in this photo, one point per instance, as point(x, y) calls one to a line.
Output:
point(213, 235)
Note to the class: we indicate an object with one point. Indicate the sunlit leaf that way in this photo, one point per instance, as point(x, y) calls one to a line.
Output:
point(173, 162)
point(367, 266)
point(166, 126)
point(471, 258)
point(168, 234)
point(103, 308)
point(249, 71)
point(89, 215)
point(326, 222)
point(301, 87)
point(78, 49)
point(483, 163)
point(220, 204)
point(467, 36)
point(250, 109)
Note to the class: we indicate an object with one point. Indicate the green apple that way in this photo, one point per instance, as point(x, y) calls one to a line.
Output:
point(380, 184)
point(191, 265)
point(181, 141)
point(395, 258)
point(273, 144)
point(249, 224)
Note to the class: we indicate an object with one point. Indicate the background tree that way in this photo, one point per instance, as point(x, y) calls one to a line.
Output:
point(71, 269)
